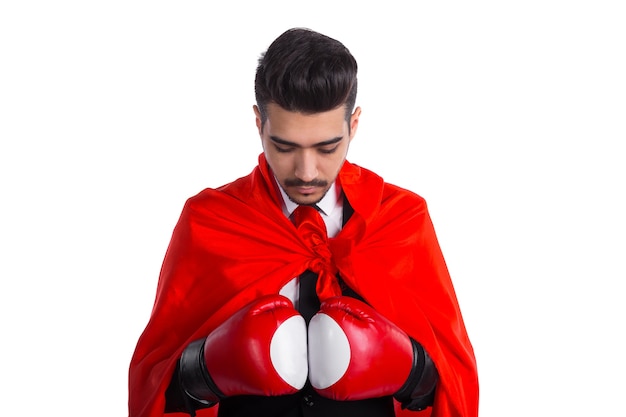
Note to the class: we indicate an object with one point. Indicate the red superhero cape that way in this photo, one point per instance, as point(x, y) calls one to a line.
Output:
point(234, 244)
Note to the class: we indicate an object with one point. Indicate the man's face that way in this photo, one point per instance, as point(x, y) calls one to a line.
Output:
point(306, 151)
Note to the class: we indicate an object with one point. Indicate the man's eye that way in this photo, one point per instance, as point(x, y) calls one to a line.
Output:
point(283, 150)
point(328, 150)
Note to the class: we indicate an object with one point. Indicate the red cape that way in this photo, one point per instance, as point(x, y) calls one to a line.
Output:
point(234, 244)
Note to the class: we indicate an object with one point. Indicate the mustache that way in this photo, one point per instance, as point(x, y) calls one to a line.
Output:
point(299, 183)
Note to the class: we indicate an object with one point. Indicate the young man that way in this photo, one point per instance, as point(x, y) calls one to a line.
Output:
point(309, 287)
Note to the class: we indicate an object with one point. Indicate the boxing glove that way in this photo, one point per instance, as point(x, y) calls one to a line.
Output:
point(260, 350)
point(355, 353)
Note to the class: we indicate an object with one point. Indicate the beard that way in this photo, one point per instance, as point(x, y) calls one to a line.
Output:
point(308, 203)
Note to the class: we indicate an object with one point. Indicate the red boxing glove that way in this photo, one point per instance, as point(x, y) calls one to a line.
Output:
point(355, 353)
point(261, 350)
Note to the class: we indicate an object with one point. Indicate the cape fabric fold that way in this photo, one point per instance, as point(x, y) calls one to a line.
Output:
point(234, 244)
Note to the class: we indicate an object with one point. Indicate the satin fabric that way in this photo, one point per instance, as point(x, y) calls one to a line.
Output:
point(233, 244)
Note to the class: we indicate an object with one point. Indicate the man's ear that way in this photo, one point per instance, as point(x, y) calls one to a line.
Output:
point(259, 122)
point(354, 121)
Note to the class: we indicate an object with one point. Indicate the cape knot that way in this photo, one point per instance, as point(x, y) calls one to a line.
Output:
point(322, 264)
point(312, 231)
point(327, 284)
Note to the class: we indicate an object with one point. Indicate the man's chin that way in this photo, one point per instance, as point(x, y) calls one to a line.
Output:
point(307, 199)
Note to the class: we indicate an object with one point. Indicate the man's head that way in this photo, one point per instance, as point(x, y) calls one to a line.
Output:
point(307, 72)
point(305, 88)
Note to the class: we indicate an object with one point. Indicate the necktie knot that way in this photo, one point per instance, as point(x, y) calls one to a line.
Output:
point(308, 216)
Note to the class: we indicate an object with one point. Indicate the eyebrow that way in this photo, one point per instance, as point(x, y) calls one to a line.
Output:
point(280, 141)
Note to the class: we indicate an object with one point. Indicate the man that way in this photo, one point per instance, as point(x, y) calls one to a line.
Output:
point(309, 287)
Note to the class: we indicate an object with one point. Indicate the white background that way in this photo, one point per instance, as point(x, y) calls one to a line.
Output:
point(508, 117)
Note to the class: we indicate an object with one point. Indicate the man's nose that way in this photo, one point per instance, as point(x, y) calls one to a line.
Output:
point(306, 165)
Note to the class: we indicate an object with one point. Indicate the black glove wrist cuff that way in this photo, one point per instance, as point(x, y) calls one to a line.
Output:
point(194, 376)
point(418, 392)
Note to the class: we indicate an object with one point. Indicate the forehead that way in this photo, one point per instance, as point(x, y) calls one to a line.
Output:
point(305, 128)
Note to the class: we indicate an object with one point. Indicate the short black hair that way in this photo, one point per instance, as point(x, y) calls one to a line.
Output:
point(308, 72)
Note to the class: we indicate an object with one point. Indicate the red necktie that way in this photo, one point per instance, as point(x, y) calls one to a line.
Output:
point(309, 223)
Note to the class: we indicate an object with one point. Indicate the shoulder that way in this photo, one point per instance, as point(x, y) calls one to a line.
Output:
point(353, 173)
point(391, 192)
point(395, 192)
point(400, 203)
point(369, 194)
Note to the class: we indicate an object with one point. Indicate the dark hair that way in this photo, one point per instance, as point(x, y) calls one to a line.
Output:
point(307, 72)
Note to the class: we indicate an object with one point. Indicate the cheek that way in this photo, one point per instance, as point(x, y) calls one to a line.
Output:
point(280, 163)
point(329, 167)
point(338, 160)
